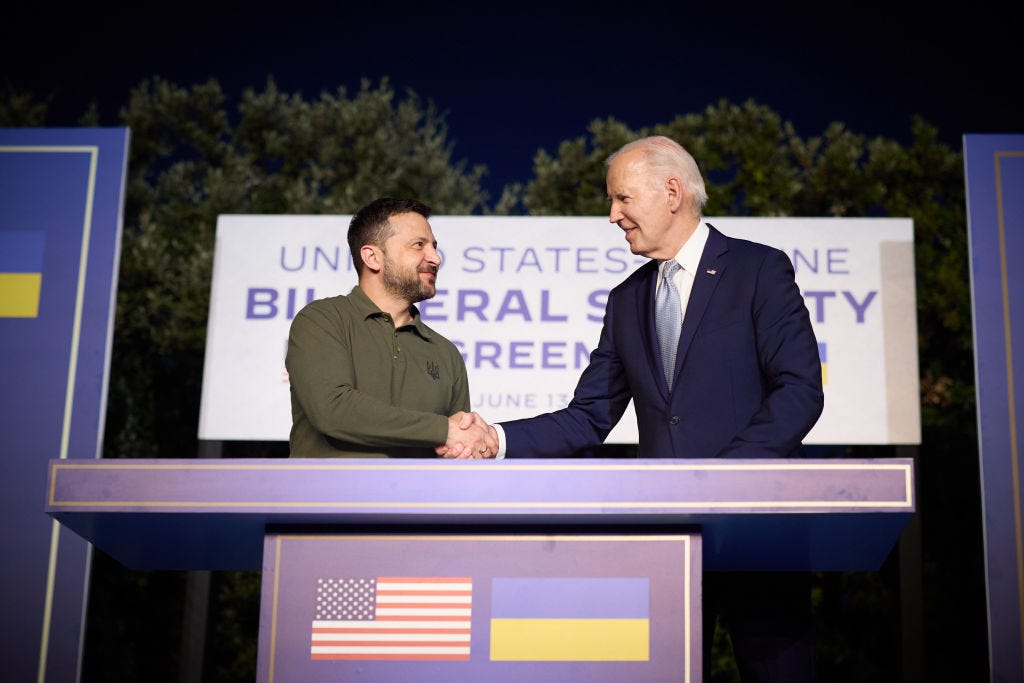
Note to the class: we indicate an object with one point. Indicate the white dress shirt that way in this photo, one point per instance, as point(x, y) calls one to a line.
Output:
point(688, 259)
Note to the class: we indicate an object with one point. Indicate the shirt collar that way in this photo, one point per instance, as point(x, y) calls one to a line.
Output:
point(368, 309)
point(689, 255)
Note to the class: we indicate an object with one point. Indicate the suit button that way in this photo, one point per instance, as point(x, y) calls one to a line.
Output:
point(674, 420)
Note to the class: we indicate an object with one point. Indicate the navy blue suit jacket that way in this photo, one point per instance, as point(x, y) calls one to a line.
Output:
point(747, 377)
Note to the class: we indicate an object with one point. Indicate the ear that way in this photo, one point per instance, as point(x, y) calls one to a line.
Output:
point(674, 194)
point(371, 257)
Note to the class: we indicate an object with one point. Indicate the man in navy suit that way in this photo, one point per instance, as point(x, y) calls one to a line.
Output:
point(745, 382)
point(747, 376)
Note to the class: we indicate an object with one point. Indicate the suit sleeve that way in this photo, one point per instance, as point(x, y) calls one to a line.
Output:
point(601, 397)
point(790, 367)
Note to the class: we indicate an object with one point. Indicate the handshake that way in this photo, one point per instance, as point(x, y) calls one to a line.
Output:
point(469, 437)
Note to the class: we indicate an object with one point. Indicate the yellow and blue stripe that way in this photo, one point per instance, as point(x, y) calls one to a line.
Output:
point(21, 272)
point(823, 356)
point(570, 619)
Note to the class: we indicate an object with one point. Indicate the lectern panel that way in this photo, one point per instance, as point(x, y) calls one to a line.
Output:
point(820, 515)
point(466, 608)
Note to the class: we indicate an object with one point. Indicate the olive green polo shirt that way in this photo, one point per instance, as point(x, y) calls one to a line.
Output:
point(362, 389)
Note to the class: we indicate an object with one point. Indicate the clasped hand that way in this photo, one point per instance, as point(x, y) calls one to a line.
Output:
point(469, 437)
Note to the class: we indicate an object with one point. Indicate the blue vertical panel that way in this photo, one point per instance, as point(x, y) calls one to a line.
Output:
point(61, 201)
point(994, 169)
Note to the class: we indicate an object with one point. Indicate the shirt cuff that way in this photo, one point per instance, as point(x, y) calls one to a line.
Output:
point(501, 441)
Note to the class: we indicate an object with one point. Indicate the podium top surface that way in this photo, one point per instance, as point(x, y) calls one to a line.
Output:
point(753, 514)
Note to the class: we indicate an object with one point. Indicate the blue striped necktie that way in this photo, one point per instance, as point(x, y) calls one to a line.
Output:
point(667, 320)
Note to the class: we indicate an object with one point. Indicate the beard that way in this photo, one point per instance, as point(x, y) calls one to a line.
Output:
point(405, 283)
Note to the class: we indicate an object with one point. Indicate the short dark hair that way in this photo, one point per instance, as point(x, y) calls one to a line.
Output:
point(369, 225)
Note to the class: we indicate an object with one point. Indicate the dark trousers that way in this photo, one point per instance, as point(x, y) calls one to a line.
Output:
point(769, 621)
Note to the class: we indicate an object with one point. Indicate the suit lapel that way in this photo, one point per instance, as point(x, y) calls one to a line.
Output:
point(643, 302)
point(705, 280)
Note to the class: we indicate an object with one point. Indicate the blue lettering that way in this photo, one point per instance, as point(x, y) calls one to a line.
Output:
point(622, 264)
point(585, 257)
point(510, 400)
point(859, 308)
point(820, 297)
point(427, 306)
point(261, 303)
point(523, 355)
point(478, 259)
point(530, 259)
point(470, 255)
point(321, 255)
point(819, 303)
point(291, 300)
point(552, 355)
point(501, 256)
point(331, 258)
point(301, 263)
point(514, 303)
point(557, 251)
point(598, 299)
point(799, 257)
point(835, 258)
point(835, 261)
point(517, 352)
point(487, 352)
point(545, 315)
point(465, 304)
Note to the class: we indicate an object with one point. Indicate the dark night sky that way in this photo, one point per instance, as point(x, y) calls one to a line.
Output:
point(513, 78)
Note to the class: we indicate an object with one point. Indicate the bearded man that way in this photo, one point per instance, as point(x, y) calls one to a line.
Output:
point(368, 378)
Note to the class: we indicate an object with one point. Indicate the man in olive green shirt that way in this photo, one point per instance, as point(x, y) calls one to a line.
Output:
point(368, 378)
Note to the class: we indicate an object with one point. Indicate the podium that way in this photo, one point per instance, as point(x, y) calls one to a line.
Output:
point(468, 570)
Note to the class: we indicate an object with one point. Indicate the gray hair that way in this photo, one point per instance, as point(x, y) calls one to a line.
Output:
point(666, 158)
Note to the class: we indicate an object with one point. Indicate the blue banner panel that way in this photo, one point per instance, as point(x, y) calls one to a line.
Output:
point(994, 170)
point(61, 199)
point(444, 607)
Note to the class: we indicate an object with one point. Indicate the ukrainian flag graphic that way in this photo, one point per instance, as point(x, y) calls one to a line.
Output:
point(823, 355)
point(21, 272)
point(570, 619)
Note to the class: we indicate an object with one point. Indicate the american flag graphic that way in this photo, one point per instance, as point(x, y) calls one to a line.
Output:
point(413, 618)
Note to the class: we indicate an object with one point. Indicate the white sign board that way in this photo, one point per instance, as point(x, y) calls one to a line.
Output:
point(523, 299)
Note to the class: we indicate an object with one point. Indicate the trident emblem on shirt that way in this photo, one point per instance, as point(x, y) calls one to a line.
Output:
point(433, 370)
